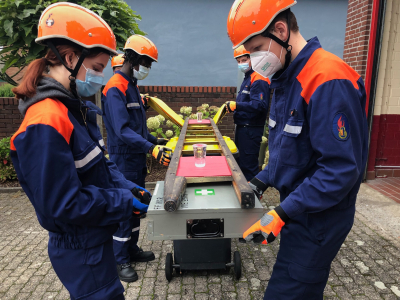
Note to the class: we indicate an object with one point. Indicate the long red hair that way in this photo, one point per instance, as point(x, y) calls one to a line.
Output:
point(36, 69)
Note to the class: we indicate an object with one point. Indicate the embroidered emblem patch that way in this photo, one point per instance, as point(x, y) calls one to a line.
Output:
point(261, 96)
point(341, 127)
point(49, 22)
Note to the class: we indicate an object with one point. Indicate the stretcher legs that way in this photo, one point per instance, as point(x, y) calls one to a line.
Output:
point(202, 254)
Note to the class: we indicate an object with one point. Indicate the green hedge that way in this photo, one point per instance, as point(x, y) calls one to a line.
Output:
point(7, 171)
point(5, 90)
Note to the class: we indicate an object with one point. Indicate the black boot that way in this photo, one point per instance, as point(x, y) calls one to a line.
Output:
point(127, 273)
point(142, 256)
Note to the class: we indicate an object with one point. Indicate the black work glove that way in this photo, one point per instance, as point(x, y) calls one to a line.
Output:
point(162, 141)
point(142, 194)
point(258, 187)
point(145, 100)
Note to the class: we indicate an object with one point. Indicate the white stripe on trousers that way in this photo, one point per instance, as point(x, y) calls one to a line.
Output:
point(121, 239)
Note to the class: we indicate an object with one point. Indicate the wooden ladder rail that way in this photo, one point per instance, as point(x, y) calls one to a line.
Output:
point(242, 189)
point(175, 185)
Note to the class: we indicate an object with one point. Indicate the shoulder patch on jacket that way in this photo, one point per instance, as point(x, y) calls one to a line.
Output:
point(47, 112)
point(255, 76)
point(117, 81)
point(323, 67)
point(341, 127)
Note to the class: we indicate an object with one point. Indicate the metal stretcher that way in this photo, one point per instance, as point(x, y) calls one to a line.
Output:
point(201, 209)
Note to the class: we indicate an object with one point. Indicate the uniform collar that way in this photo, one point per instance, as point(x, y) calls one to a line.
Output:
point(128, 78)
point(248, 73)
point(297, 65)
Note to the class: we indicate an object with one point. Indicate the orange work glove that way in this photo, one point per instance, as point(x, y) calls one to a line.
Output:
point(266, 229)
point(231, 106)
point(160, 153)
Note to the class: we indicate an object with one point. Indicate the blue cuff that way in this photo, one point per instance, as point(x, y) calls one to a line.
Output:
point(263, 176)
point(147, 147)
point(290, 207)
point(139, 205)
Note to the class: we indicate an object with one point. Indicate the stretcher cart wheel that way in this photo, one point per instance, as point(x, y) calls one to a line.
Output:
point(237, 267)
point(169, 266)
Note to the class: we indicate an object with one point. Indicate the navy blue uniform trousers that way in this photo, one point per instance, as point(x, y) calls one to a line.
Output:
point(133, 167)
point(73, 266)
point(248, 141)
point(311, 239)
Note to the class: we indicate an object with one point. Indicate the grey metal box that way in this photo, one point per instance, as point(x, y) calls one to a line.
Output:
point(200, 201)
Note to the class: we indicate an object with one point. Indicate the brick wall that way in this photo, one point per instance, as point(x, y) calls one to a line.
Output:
point(10, 117)
point(173, 96)
point(357, 34)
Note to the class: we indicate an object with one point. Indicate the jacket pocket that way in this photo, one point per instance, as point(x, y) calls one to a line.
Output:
point(294, 150)
point(306, 274)
point(316, 225)
point(93, 255)
point(135, 116)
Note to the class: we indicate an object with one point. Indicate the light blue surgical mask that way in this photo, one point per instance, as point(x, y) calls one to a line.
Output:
point(244, 67)
point(92, 83)
point(142, 73)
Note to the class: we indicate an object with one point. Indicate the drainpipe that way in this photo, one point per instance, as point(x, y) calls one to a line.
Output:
point(371, 78)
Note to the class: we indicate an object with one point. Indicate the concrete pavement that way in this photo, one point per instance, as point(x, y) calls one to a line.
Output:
point(367, 266)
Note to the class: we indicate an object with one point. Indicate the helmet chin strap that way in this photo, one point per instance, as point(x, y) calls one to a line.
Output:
point(74, 71)
point(288, 56)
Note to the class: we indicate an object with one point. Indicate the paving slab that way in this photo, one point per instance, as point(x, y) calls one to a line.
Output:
point(366, 267)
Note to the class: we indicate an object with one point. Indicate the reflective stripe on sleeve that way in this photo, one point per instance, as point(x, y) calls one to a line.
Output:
point(132, 104)
point(271, 123)
point(245, 92)
point(136, 229)
point(292, 129)
point(101, 142)
point(121, 239)
point(84, 161)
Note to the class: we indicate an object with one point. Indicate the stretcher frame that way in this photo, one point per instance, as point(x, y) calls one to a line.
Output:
point(176, 185)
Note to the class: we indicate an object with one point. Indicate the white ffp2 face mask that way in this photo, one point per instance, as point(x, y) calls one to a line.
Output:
point(142, 73)
point(265, 63)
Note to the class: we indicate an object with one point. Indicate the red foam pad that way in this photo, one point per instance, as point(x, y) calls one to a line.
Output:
point(194, 122)
point(215, 166)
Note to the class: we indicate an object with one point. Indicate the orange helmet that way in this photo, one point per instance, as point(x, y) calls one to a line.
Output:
point(117, 61)
point(240, 51)
point(248, 18)
point(75, 23)
point(142, 46)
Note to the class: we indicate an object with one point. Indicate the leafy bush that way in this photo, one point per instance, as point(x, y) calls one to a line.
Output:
point(5, 90)
point(7, 171)
point(18, 28)
point(158, 123)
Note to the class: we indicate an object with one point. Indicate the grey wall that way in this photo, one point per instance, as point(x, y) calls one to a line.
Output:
point(194, 49)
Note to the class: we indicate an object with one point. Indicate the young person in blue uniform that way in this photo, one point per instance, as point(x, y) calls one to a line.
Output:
point(249, 114)
point(129, 141)
point(79, 196)
point(117, 62)
point(318, 143)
